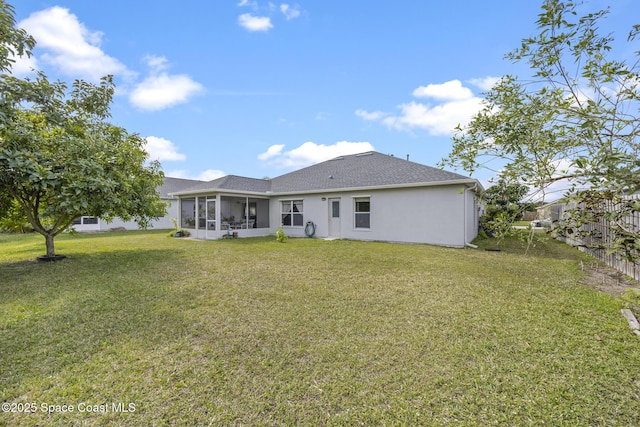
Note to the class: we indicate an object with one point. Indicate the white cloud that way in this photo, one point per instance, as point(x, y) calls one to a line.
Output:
point(455, 104)
point(311, 153)
point(163, 90)
point(274, 150)
point(371, 115)
point(437, 120)
point(156, 63)
point(73, 50)
point(69, 46)
point(289, 12)
point(449, 91)
point(260, 18)
point(251, 4)
point(23, 65)
point(485, 83)
point(206, 175)
point(162, 149)
point(255, 23)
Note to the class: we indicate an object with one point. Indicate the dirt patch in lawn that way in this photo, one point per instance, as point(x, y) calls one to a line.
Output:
point(612, 282)
point(608, 280)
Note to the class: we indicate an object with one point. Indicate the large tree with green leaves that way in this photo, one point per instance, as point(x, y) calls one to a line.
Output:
point(503, 206)
point(576, 120)
point(14, 42)
point(59, 157)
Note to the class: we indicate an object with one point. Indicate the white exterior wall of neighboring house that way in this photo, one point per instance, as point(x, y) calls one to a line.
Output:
point(87, 224)
point(172, 205)
point(432, 214)
point(161, 223)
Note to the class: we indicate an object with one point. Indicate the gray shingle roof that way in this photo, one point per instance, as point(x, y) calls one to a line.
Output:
point(231, 183)
point(172, 185)
point(363, 170)
point(371, 169)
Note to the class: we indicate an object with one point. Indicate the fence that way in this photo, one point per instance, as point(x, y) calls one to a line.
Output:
point(600, 236)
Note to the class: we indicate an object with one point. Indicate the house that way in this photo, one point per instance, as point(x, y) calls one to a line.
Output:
point(170, 185)
point(367, 196)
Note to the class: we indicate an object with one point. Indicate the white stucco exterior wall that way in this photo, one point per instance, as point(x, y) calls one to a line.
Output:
point(161, 223)
point(439, 215)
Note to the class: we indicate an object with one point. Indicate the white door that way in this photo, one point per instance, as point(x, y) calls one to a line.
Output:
point(211, 218)
point(334, 217)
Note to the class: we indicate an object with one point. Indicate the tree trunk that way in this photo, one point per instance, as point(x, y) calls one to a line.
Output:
point(48, 238)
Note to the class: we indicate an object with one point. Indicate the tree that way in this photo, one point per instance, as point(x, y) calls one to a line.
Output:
point(13, 41)
point(60, 159)
point(576, 122)
point(502, 206)
point(14, 219)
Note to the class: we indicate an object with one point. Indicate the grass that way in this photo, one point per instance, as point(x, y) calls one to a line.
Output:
point(308, 332)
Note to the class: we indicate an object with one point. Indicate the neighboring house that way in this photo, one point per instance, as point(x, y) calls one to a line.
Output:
point(170, 185)
point(367, 196)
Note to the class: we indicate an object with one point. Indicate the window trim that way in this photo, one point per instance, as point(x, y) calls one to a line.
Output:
point(86, 220)
point(356, 199)
point(291, 212)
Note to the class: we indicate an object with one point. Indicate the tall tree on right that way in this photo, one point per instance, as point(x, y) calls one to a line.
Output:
point(576, 121)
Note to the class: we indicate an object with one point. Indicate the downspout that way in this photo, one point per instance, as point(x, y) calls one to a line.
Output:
point(464, 217)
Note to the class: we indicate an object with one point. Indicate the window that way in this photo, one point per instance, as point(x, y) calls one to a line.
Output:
point(85, 220)
point(292, 213)
point(362, 212)
point(188, 212)
point(335, 209)
point(89, 220)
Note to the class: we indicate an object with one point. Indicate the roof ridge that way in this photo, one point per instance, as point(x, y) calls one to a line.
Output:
point(369, 169)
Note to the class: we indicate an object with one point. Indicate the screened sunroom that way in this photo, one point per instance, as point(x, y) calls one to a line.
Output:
point(220, 215)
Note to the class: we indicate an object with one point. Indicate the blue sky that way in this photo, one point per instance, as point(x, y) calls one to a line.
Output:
point(258, 88)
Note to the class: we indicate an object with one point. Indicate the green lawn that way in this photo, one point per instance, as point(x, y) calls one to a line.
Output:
point(308, 332)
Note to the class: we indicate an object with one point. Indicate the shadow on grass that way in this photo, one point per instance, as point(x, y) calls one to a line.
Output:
point(58, 315)
point(32, 245)
point(543, 246)
point(107, 234)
